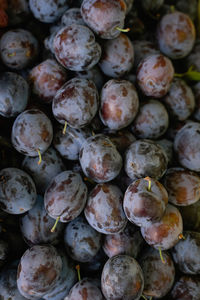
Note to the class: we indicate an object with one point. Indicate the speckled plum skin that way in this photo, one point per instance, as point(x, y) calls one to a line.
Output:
point(141, 205)
point(76, 102)
point(117, 56)
point(82, 242)
point(18, 48)
point(122, 278)
point(46, 79)
point(17, 191)
point(35, 124)
point(104, 211)
point(119, 104)
point(164, 234)
point(158, 278)
point(183, 186)
point(66, 196)
point(42, 174)
point(145, 158)
point(187, 146)
point(93, 74)
point(75, 48)
point(186, 287)
point(152, 120)
point(14, 94)
point(186, 253)
point(72, 16)
point(180, 100)
point(176, 35)
point(85, 290)
point(36, 226)
point(35, 277)
point(142, 49)
point(154, 75)
point(48, 11)
point(103, 16)
point(129, 242)
point(100, 159)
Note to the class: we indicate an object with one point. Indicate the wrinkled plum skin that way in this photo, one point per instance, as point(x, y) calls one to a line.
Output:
point(140, 160)
point(82, 242)
point(176, 35)
point(141, 205)
point(85, 289)
point(81, 96)
point(183, 186)
point(35, 277)
point(154, 75)
point(14, 94)
point(119, 104)
point(35, 124)
point(46, 79)
point(42, 174)
point(104, 210)
point(186, 253)
point(117, 56)
point(164, 234)
point(36, 225)
point(18, 48)
point(75, 48)
point(122, 278)
point(186, 287)
point(188, 152)
point(152, 120)
point(104, 16)
point(17, 191)
point(48, 11)
point(65, 196)
point(180, 100)
point(158, 279)
point(100, 159)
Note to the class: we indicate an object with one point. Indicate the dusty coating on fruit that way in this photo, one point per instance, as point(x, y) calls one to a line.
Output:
point(100, 159)
point(145, 158)
point(35, 124)
point(142, 49)
point(75, 48)
point(122, 278)
point(18, 48)
point(48, 11)
point(93, 74)
point(121, 139)
point(154, 75)
point(46, 79)
point(142, 205)
point(104, 210)
point(17, 191)
point(103, 16)
point(85, 289)
point(119, 104)
point(183, 186)
point(186, 287)
point(152, 120)
point(36, 276)
point(72, 16)
point(66, 196)
point(164, 234)
point(76, 102)
point(158, 279)
point(187, 145)
point(176, 35)
point(117, 56)
point(82, 242)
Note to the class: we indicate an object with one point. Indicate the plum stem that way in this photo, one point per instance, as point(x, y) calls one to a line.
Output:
point(78, 272)
point(172, 8)
point(181, 236)
point(191, 74)
point(40, 156)
point(143, 297)
point(65, 127)
point(149, 181)
point(54, 226)
point(123, 29)
point(93, 134)
point(161, 256)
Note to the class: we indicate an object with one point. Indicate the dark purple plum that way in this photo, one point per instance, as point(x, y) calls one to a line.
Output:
point(81, 241)
point(167, 146)
point(193, 59)
point(4, 251)
point(65, 196)
point(100, 159)
point(17, 191)
point(18, 11)
point(72, 16)
point(142, 49)
point(191, 216)
point(122, 139)
point(119, 104)
point(152, 6)
point(129, 5)
point(185, 288)
point(196, 89)
point(93, 74)
point(122, 278)
point(18, 48)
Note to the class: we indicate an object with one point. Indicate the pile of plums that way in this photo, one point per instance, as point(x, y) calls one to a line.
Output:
point(99, 149)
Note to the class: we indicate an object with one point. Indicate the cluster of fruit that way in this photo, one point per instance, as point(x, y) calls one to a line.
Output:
point(99, 150)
